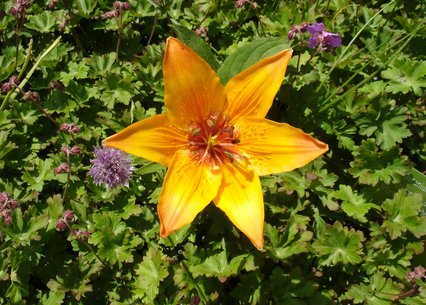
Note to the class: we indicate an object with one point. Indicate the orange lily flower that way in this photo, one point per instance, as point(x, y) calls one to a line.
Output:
point(215, 140)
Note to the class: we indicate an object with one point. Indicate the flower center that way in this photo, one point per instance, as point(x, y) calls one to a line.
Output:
point(213, 140)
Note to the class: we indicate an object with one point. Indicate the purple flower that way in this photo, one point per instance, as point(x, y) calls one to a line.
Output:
point(111, 166)
point(317, 27)
point(323, 40)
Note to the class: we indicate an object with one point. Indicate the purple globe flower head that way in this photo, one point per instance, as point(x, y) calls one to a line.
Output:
point(325, 41)
point(111, 167)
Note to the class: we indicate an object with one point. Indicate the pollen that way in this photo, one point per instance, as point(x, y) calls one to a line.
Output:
point(213, 141)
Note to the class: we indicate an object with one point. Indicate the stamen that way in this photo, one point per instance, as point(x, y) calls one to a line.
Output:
point(213, 141)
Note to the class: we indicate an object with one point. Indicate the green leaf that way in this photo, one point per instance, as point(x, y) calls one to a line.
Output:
point(6, 147)
point(36, 178)
point(353, 205)
point(44, 22)
point(293, 239)
point(379, 291)
point(386, 122)
point(101, 64)
point(85, 7)
point(406, 75)
point(371, 165)
point(197, 44)
point(75, 71)
point(219, 266)
point(114, 89)
point(149, 275)
point(249, 54)
point(338, 244)
point(402, 214)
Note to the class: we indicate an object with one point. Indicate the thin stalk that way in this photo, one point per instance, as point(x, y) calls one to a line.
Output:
point(68, 177)
point(153, 29)
point(390, 59)
point(119, 31)
point(202, 296)
point(27, 59)
point(357, 34)
point(12, 93)
point(45, 113)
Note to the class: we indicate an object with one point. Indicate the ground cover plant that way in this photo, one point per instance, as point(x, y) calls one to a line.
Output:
point(79, 222)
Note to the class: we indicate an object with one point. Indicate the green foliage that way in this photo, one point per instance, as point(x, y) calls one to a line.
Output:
point(345, 229)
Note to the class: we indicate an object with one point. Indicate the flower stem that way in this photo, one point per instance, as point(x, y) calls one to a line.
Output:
point(12, 93)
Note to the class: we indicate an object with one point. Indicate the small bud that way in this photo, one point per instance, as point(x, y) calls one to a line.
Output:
point(110, 15)
point(84, 234)
point(71, 128)
point(69, 215)
point(126, 6)
point(13, 204)
point(24, 3)
point(63, 24)
point(195, 300)
point(74, 129)
point(31, 96)
point(6, 87)
point(52, 4)
point(62, 168)
point(64, 127)
point(65, 150)
point(201, 31)
point(75, 150)
point(4, 197)
point(14, 11)
point(60, 225)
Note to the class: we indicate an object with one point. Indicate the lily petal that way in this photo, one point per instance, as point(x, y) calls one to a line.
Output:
point(154, 139)
point(240, 197)
point(276, 147)
point(188, 188)
point(251, 92)
point(192, 89)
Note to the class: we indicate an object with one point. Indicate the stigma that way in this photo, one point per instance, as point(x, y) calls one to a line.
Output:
point(213, 141)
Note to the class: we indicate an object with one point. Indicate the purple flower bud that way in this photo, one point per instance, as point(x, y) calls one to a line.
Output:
point(4, 197)
point(14, 11)
point(71, 128)
point(52, 4)
point(111, 167)
point(240, 3)
point(420, 272)
point(119, 5)
point(126, 6)
point(65, 150)
point(195, 300)
point(201, 31)
point(64, 127)
point(14, 80)
point(84, 234)
point(60, 225)
point(13, 204)
point(62, 168)
point(291, 34)
point(24, 3)
point(6, 87)
point(75, 150)
point(31, 96)
point(110, 15)
point(62, 25)
point(68, 215)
